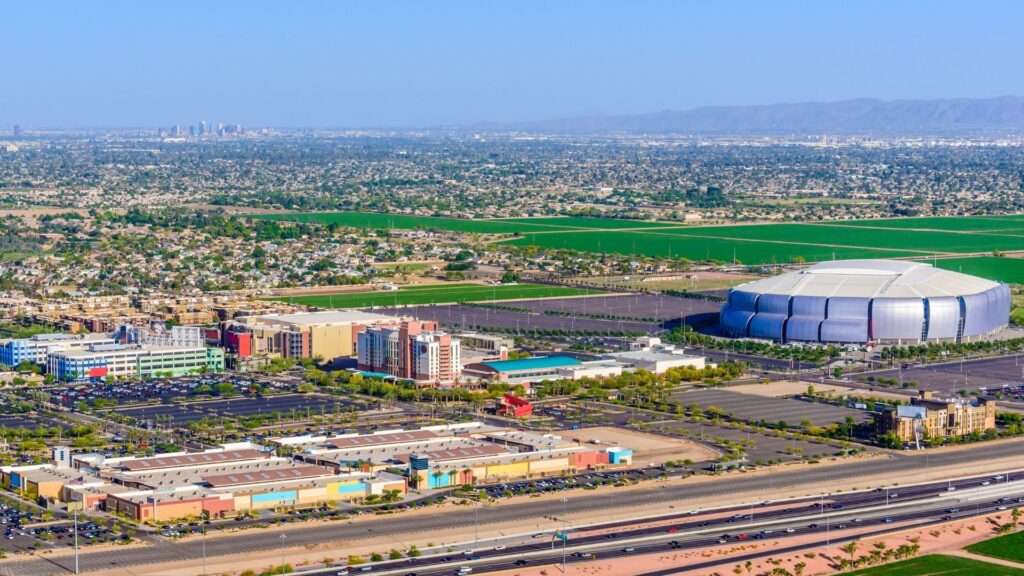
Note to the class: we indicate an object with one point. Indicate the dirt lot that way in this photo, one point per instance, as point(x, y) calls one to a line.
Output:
point(785, 388)
point(647, 448)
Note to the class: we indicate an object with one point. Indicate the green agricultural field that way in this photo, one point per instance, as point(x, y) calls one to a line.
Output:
point(936, 564)
point(433, 294)
point(669, 245)
point(1008, 547)
point(1004, 269)
point(748, 244)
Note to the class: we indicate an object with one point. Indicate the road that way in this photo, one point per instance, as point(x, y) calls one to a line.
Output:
point(618, 504)
point(915, 505)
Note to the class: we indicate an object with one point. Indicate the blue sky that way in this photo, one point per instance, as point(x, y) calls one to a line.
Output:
point(407, 64)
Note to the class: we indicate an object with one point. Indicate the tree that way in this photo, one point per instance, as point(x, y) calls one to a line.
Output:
point(850, 548)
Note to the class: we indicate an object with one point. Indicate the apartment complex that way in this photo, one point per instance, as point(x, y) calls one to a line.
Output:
point(132, 361)
point(412, 350)
point(929, 417)
point(328, 335)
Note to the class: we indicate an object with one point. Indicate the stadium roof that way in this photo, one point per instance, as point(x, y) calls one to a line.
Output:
point(871, 278)
point(532, 363)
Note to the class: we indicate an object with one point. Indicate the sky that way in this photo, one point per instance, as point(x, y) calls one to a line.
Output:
point(381, 63)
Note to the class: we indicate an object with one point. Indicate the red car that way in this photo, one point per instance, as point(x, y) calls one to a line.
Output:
point(672, 529)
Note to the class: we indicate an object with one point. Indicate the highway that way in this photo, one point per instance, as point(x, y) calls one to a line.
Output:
point(922, 504)
point(398, 528)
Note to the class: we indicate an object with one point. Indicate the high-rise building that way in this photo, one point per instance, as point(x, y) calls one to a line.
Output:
point(17, 131)
point(412, 350)
point(203, 128)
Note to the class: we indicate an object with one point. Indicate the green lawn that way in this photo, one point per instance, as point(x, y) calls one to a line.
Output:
point(936, 565)
point(433, 294)
point(1009, 270)
point(749, 244)
point(1008, 547)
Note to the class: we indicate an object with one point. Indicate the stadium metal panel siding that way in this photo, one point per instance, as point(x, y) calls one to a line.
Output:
point(856, 301)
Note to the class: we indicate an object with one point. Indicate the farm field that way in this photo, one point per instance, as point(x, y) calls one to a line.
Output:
point(748, 244)
point(1004, 269)
point(434, 294)
point(1008, 547)
point(938, 564)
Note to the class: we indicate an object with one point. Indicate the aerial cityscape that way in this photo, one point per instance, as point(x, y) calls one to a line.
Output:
point(518, 289)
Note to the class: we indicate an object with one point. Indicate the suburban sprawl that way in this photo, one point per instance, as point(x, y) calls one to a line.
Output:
point(246, 351)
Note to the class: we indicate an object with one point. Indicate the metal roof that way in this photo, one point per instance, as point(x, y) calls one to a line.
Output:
point(870, 279)
point(532, 363)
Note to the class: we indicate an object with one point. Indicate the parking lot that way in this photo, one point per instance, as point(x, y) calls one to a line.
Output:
point(760, 447)
point(287, 406)
point(162, 388)
point(989, 375)
point(753, 408)
point(31, 422)
point(625, 305)
point(469, 317)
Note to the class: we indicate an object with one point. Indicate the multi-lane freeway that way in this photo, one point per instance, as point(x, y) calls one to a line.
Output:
point(403, 527)
point(872, 512)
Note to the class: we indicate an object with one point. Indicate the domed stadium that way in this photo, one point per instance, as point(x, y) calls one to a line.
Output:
point(858, 301)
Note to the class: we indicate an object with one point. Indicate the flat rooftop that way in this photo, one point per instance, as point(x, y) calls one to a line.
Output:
point(381, 439)
point(265, 476)
point(394, 452)
point(196, 459)
point(170, 478)
point(538, 363)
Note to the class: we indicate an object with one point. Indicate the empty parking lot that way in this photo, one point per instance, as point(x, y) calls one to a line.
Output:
point(755, 408)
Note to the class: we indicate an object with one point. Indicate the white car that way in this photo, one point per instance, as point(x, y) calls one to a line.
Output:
point(499, 547)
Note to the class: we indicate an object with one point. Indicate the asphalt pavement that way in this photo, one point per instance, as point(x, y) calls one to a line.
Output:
point(618, 504)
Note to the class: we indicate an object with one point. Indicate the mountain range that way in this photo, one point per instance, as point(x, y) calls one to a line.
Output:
point(860, 116)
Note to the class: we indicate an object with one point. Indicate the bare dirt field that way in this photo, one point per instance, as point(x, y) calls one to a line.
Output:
point(647, 448)
point(784, 388)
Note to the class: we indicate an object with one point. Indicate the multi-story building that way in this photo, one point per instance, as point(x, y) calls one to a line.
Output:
point(132, 361)
point(928, 417)
point(412, 350)
point(328, 335)
point(157, 334)
point(35, 349)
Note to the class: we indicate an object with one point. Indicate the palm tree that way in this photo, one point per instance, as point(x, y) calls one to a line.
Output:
point(850, 548)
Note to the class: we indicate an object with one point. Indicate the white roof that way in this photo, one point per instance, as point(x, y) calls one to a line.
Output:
point(871, 279)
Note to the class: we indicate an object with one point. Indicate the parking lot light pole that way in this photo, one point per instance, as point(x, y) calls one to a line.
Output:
point(76, 538)
point(283, 538)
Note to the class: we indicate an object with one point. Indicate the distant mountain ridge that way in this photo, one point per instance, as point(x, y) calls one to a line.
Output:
point(863, 115)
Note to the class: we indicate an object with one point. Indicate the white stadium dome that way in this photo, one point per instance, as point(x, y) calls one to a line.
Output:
point(857, 301)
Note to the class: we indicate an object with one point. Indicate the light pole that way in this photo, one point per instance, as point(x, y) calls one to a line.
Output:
point(76, 538)
point(828, 534)
point(476, 524)
point(204, 551)
point(283, 538)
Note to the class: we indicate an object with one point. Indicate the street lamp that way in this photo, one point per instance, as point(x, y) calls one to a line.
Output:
point(76, 539)
point(283, 538)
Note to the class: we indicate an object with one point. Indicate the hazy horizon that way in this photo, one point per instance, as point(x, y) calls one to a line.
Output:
point(412, 65)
